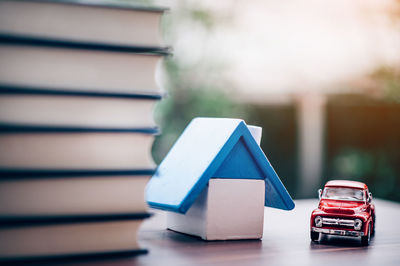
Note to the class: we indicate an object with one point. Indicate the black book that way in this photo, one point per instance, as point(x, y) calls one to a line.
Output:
point(108, 22)
point(64, 236)
point(76, 66)
point(75, 148)
point(49, 193)
point(46, 107)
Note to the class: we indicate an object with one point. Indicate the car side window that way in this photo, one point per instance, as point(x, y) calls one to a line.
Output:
point(369, 198)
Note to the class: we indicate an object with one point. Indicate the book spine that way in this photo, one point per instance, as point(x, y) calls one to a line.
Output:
point(10, 173)
point(6, 89)
point(24, 40)
point(70, 219)
point(74, 258)
point(22, 129)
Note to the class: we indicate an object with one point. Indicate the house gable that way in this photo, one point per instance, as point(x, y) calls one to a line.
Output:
point(239, 163)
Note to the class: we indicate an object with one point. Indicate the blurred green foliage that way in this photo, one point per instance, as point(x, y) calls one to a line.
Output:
point(388, 81)
point(374, 168)
point(186, 101)
point(193, 89)
point(363, 143)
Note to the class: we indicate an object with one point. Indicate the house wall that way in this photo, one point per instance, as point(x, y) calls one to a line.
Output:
point(214, 214)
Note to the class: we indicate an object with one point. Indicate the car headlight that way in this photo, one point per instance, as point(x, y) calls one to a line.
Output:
point(318, 221)
point(357, 224)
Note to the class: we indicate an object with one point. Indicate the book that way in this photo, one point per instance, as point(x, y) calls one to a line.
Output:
point(68, 193)
point(33, 106)
point(93, 22)
point(24, 147)
point(65, 235)
point(55, 65)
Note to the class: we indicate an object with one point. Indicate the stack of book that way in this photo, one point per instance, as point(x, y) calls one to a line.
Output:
point(77, 91)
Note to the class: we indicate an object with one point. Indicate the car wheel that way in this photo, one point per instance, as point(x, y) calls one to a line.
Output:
point(366, 239)
point(314, 236)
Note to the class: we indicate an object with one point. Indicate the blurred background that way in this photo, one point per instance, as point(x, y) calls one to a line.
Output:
point(322, 78)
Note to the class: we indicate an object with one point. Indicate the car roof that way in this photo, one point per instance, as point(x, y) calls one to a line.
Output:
point(346, 183)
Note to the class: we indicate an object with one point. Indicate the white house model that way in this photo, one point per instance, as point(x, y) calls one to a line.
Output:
point(216, 180)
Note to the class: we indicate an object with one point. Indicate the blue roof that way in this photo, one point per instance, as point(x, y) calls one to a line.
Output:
point(212, 148)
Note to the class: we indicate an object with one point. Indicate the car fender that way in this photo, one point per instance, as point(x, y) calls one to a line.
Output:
point(369, 221)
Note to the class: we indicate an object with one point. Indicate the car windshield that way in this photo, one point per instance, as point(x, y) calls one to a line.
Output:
point(340, 193)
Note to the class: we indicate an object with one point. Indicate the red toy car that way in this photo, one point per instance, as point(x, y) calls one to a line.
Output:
point(345, 209)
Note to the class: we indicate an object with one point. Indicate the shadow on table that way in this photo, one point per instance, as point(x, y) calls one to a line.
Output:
point(338, 241)
point(179, 236)
point(174, 243)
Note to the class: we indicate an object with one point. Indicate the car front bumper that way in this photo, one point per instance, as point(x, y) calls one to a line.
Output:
point(337, 232)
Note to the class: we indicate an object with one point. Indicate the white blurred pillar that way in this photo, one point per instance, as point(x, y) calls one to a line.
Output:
point(311, 122)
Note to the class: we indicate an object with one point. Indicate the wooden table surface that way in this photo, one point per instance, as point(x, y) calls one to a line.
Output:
point(286, 241)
